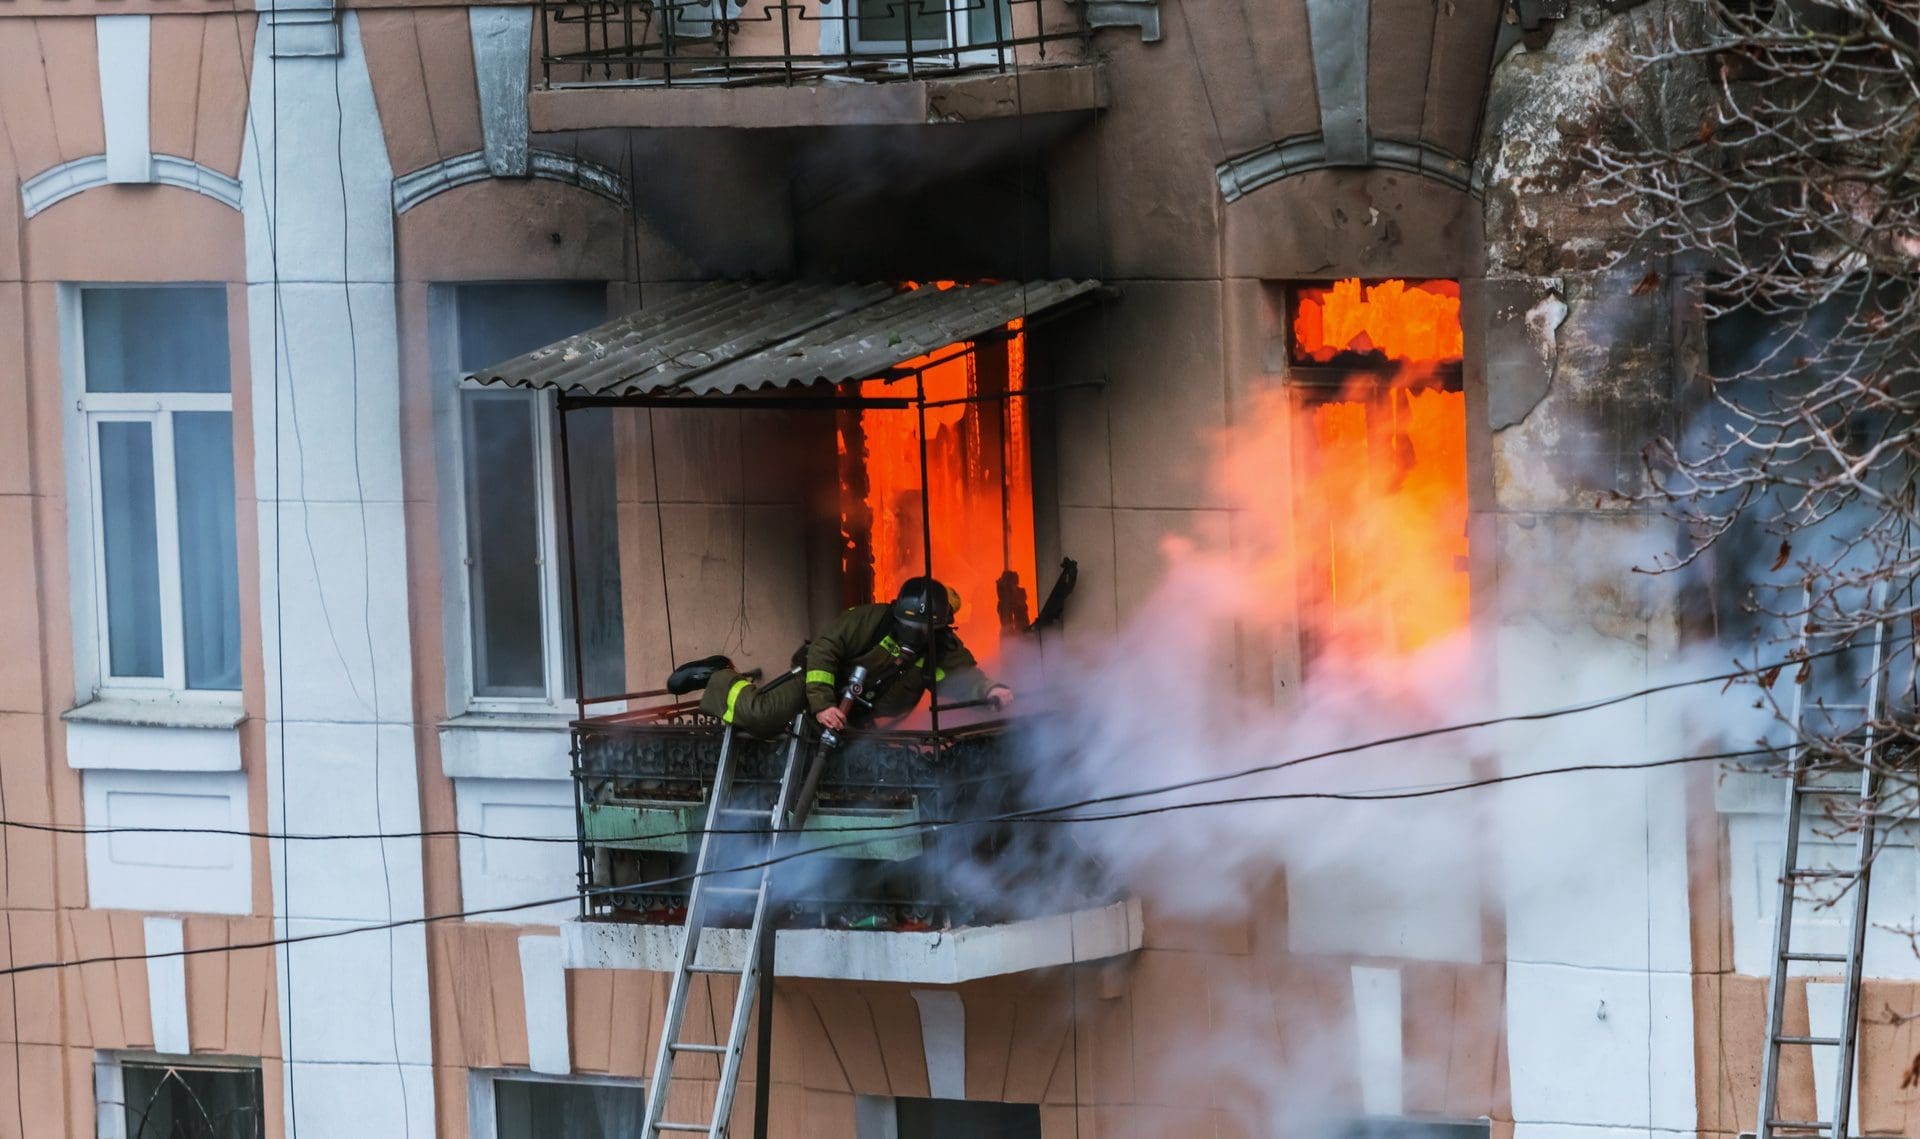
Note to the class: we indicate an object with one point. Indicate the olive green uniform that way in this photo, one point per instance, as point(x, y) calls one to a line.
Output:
point(857, 637)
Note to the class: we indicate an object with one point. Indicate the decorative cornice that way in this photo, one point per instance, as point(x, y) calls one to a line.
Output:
point(1245, 173)
point(69, 178)
point(410, 189)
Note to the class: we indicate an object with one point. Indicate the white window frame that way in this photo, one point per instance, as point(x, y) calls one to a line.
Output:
point(110, 1083)
point(953, 53)
point(483, 1119)
point(555, 663)
point(93, 671)
point(450, 418)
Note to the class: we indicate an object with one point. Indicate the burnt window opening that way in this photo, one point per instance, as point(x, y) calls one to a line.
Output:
point(979, 499)
point(1380, 472)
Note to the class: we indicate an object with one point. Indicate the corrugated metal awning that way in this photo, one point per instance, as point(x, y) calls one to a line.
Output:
point(743, 336)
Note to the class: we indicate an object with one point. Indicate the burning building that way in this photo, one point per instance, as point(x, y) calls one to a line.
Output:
point(395, 393)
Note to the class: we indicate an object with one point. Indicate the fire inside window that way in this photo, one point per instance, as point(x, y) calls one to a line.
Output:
point(980, 500)
point(1380, 464)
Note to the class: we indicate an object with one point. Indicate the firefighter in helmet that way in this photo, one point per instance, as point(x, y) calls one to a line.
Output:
point(906, 646)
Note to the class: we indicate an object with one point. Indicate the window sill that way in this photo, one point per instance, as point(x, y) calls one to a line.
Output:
point(129, 713)
point(507, 745)
point(134, 735)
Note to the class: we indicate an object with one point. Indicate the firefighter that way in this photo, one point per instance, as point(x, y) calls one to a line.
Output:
point(907, 646)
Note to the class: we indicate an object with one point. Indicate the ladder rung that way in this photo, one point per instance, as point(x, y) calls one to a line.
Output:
point(707, 1049)
point(728, 970)
point(751, 812)
point(663, 1125)
point(1827, 789)
point(753, 890)
point(1795, 1125)
point(1827, 958)
point(1807, 872)
point(1818, 1041)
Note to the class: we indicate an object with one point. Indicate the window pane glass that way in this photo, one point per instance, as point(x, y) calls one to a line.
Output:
point(989, 21)
point(209, 570)
point(538, 1109)
point(966, 1119)
point(503, 544)
point(596, 536)
point(131, 548)
point(155, 340)
point(499, 322)
point(924, 22)
point(193, 1103)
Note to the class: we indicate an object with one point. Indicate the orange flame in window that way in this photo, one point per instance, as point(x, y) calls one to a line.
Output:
point(980, 496)
point(1381, 497)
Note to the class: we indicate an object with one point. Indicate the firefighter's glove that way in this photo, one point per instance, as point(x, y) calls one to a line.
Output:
point(1001, 697)
point(832, 719)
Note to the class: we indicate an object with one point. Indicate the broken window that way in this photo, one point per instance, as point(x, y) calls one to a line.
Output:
point(980, 489)
point(169, 1101)
point(1380, 465)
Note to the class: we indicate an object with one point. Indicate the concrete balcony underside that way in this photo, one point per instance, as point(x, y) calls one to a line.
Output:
point(945, 957)
point(898, 102)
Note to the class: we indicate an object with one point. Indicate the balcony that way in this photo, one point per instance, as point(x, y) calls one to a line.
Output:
point(808, 63)
point(878, 894)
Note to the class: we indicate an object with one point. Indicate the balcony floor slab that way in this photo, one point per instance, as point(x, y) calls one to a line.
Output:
point(899, 102)
point(945, 957)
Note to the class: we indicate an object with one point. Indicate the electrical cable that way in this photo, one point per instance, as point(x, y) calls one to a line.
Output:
point(366, 577)
point(930, 827)
point(1040, 811)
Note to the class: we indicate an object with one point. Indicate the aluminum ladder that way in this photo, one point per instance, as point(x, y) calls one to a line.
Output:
point(711, 883)
point(1807, 785)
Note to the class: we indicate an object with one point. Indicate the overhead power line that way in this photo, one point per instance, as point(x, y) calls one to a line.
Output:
point(925, 827)
point(1120, 796)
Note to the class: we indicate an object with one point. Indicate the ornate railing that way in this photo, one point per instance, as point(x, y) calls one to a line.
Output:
point(684, 43)
point(643, 783)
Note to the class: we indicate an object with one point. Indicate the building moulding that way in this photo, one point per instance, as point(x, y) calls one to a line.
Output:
point(415, 187)
point(502, 40)
point(57, 184)
point(944, 957)
point(1243, 174)
point(1338, 31)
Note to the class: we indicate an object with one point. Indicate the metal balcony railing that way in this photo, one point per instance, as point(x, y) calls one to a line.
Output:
point(643, 782)
point(687, 43)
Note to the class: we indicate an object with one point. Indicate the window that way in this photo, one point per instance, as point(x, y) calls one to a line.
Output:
point(519, 637)
point(906, 1118)
point(1380, 487)
point(1414, 1129)
point(524, 1108)
point(157, 405)
point(911, 26)
point(159, 1100)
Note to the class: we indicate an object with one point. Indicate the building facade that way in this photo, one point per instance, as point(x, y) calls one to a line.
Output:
point(288, 625)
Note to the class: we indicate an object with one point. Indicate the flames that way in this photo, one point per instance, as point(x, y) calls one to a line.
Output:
point(980, 498)
point(1380, 498)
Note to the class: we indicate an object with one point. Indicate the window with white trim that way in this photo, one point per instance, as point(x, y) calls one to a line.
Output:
point(913, 26)
point(515, 1105)
point(156, 399)
point(519, 638)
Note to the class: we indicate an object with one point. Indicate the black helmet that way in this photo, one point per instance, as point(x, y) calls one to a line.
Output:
point(923, 608)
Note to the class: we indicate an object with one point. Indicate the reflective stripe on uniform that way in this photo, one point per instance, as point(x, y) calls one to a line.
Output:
point(939, 674)
point(819, 676)
point(891, 645)
point(733, 695)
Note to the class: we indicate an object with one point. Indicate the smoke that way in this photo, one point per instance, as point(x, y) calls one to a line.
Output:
point(1410, 880)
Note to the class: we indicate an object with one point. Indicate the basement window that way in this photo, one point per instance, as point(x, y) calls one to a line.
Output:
point(980, 475)
point(525, 1108)
point(1380, 471)
point(904, 1117)
point(182, 1101)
